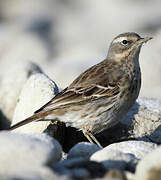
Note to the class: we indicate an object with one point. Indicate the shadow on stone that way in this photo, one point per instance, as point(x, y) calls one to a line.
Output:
point(4, 122)
point(69, 136)
point(155, 136)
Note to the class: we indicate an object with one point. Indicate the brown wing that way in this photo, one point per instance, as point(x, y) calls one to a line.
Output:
point(101, 80)
point(96, 82)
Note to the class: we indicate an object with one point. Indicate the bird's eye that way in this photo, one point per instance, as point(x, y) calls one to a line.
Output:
point(124, 42)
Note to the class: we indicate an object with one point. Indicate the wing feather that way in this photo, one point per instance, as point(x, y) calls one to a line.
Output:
point(89, 86)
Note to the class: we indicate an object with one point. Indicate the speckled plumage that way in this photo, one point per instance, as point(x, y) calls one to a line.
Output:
point(103, 94)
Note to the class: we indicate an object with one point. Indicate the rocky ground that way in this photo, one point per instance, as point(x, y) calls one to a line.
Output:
point(131, 148)
point(44, 45)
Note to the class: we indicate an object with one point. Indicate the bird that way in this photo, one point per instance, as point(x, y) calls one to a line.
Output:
point(102, 95)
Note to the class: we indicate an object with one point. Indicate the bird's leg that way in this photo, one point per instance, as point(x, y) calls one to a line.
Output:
point(95, 140)
point(91, 138)
point(87, 136)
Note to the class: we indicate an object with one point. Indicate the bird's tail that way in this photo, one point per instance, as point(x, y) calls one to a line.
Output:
point(32, 118)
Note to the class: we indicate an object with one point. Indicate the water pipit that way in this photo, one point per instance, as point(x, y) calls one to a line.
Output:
point(102, 95)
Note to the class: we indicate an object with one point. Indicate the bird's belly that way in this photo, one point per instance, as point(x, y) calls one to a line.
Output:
point(93, 117)
point(99, 115)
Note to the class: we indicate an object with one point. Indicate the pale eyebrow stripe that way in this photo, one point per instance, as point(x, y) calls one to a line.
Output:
point(119, 39)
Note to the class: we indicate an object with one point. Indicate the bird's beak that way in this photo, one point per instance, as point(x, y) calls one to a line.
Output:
point(143, 40)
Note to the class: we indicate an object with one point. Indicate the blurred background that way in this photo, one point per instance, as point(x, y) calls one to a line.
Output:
point(65, 37)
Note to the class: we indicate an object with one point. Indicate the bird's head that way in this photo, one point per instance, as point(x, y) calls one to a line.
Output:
point(126, 44)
